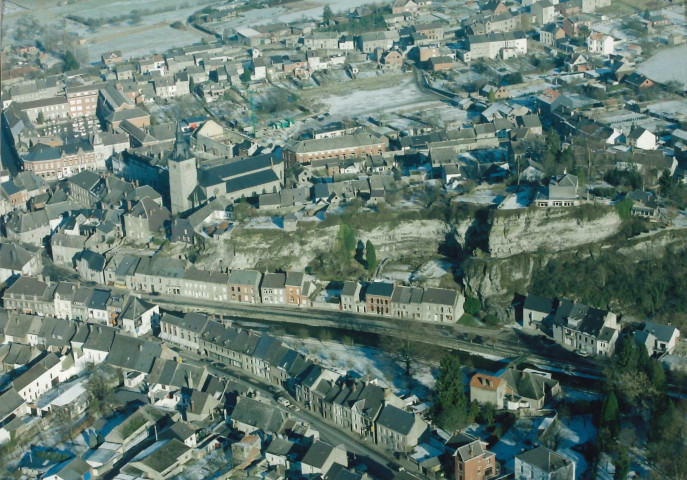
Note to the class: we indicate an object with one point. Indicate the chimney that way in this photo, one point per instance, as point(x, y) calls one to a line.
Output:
point(140, 347)
point(193, 405)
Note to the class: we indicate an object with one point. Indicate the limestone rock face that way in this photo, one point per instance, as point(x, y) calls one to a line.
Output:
point(549, 230)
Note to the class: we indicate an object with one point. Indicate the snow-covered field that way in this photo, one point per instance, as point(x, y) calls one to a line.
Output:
point(667, 65)
point(520, 200)
point(365, 360)
point(362, 102)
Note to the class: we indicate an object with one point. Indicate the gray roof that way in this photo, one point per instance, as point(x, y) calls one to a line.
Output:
point(440, 296)
point(663, 333)
point(14, 257)
point(396, 420)
point(382, 289)
point(538, 304)
point(544, 459)
point(9, 402)
point(273, 280)
point(406, 295)
point(100, 338)
point(35, 372)
point(257, 414)
point(133, 353)
point(317, 454)
point(244, 277)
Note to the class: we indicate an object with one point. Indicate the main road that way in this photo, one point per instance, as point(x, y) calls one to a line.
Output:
point(490, 343)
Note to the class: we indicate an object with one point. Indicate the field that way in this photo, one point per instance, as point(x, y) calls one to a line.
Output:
point(667, 65)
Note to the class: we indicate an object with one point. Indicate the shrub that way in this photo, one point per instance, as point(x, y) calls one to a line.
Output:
point(472, 306)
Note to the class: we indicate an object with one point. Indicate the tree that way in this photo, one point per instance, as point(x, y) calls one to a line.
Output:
point(370, 256)
point(472, 305)
point(610, 414)
point(245, 75)
point(488, 414)
point(327, 14)
point(404, 349)
point(492, 96)
point(70, 62)
point(40, 118)
point(450, 405)
point(624, 208)
point(622, 464)
point(346, 239)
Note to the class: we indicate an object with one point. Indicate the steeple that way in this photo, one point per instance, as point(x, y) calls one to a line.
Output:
point(180, 146)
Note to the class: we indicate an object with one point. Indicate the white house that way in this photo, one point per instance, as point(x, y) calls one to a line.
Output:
point(38, 379)
point(640, 137)
point(600, 44)
point(658, 339)
point(137, 316)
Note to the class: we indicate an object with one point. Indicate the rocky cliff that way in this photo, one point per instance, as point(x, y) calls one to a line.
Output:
point(550, 230)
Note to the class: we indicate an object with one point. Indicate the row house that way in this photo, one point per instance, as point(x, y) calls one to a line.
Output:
point(183, 331)
point(244, 286)
point(39, 378)
point(341, 147)
point(30, 295)
point(273, 288)
point(203, 284)
point(492, 45)
point(52, 108)
point(57, 163)
point(297, 288)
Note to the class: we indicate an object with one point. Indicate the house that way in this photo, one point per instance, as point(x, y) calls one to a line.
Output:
point(513, 389)
point(551, 33)
point(440, 63)
point(640, 137)
point(561, 192)
point(543, 464)
point(397, 430)
point(245, 451)
point(30, 295)
point(537, 312)
point(404, 6)
point(544, 12)
point(252, 415)
point(281, 452)
point(351, 298)
point(575, 25)
point(273, 288)
point(472, 459)
point(582, 328)
point(491, 45)
point(167, 460)
point(320, 457)
point(378, 297)
point(183, 331)
point(145, 220)
point(91, 266)
point(137, 316)
point(442, 305)
point(658, 339)
point(112, 58)
point(243, 286)
point(600, 44)
point(406, 302)
point(638, 81)
point(296, 288)
point(39, 378)
point(16, 260)
point(182, 231)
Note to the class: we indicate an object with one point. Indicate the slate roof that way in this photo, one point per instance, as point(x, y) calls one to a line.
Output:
point(381, 289)
point(538, 304)
point(244, 277)
point(133, 353)
point(9, 401)
point(317, 454)
point(396, 420)
point(663, 333)
point(251, 180)
point(257, 414)
point(544, 459)
point(440, 296)
point(13, 256)
point(406, 295)
point(273, 280)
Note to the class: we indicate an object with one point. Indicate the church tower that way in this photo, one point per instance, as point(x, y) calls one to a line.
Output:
point(183, 177)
